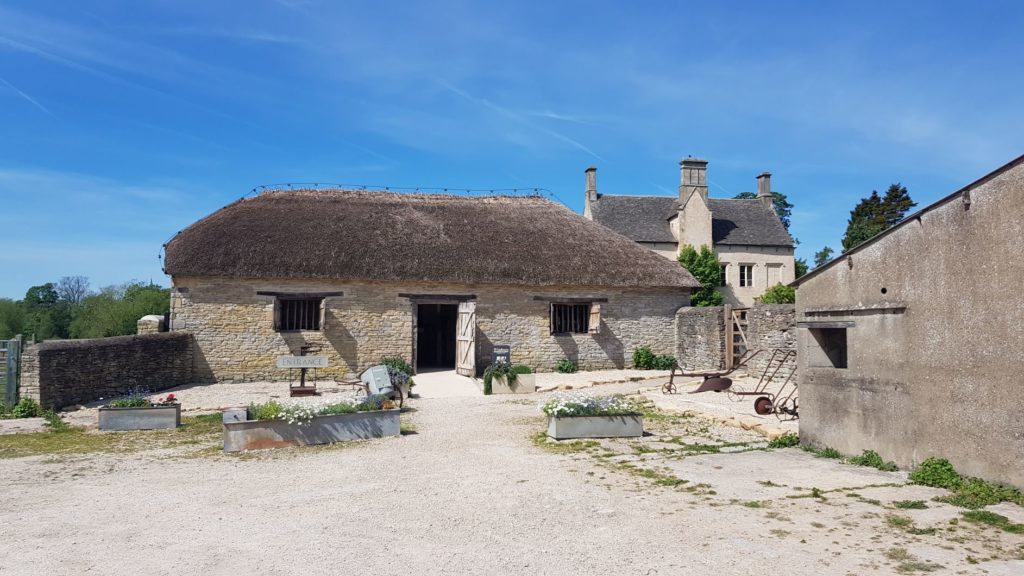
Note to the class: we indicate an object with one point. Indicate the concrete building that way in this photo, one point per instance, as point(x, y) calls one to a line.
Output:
point(754, 247)
point(438, 280)
point(910, 343)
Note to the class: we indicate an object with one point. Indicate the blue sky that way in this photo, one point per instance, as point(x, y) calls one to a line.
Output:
point(123, 122)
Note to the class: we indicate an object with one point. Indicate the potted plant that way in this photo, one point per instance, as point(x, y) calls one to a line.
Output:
point(579, 416)
point(400, 373)
point(273, 425)
point(505, 378)
point(136, 411)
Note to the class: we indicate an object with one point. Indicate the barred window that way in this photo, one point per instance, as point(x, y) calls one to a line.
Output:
point(298, 314)
point(570, 318)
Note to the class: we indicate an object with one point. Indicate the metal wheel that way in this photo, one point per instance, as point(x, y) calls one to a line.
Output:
point(763, 406)
point(668, 388)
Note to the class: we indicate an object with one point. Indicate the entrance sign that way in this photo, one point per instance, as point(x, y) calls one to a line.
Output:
point(302, 361)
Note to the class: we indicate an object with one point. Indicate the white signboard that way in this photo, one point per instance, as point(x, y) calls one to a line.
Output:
point(302, 361)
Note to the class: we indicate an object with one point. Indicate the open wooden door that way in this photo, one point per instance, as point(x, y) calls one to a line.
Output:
point(465, 340)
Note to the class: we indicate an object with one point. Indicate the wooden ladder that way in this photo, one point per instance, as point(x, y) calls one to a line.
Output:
point(736, 344)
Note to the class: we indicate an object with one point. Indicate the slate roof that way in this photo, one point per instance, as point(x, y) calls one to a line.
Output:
point(387, 236)
point(646, 219)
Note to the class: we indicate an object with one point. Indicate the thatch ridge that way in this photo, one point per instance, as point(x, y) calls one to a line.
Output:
point(391, 236)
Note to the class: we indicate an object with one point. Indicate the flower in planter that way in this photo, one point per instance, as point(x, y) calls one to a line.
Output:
point(168, 400)
point(582, 405)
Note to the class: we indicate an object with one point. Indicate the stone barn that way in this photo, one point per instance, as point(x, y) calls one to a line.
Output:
point(439, 280)
point(910, 343)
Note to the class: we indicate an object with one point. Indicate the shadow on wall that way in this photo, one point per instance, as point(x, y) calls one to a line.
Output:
point(346, 347)
point(611, 346)
point(570, 349)
point(201, 370)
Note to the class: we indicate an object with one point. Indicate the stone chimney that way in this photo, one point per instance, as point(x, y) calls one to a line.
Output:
point(764, 190)
point(591, 173)
point(591, 195)
point(694, 178)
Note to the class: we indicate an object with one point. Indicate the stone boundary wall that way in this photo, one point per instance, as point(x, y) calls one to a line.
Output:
point(771, 326)
point(700, 336)
point(61, 373)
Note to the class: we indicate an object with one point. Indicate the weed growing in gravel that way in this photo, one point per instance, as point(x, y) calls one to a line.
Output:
point(898, 521)
point(823, 452)
point(872, 459)
point(910, 504)
point(756, 503)
point(993, 519)
point(971, 493)
point(770, 484)
point(787, 440)
point(660, 478)
point(898, 554)
point(917, 566)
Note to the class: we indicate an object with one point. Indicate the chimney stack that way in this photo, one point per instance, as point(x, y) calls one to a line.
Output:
point(694, 178)
point(591, 173)
point(764, 190)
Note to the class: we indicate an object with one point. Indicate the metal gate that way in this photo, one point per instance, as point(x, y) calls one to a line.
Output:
point(10, 363)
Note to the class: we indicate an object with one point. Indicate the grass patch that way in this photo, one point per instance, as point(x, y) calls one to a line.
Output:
point(659, 478)
point(756, 504)
point(973, 493)
point(910, 504)
point(993, 519)
point(64, 440)
point(406, 428)
point(898, 521)
point(770, 484)
point(541, 440)
point(917, 566)
point(823, 452)
point(898, 554)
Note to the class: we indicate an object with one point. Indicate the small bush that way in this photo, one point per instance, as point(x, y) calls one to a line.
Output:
point(566, 366)
point(872, 459)
point(778, 294)
point(267, 411)
point(664, 362)
point(937, 473)
point(397, 363)
point(643, 358)
point(787, 440)
point(26, 408)
point(976, 493)
point(498, 370)
point(522, 369)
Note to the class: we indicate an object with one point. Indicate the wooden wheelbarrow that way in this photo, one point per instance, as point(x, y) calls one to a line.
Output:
point(714, 380)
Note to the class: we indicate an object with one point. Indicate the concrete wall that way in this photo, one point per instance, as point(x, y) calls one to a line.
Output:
point(235, 337)
point(60, 373)
point(762, 258)
point(934, 342)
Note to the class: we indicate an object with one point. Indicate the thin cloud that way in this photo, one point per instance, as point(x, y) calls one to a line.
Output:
point(32, 100)
point(520, 118)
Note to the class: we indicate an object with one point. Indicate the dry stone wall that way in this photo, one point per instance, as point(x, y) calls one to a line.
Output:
point(700, 336)
point(65, 372)
point(771, 327)
point(233, 326)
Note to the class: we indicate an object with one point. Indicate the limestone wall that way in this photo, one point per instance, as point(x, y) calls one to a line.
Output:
point(771, 265)
point(235, 337)
point(59, 373)
point(700, 336)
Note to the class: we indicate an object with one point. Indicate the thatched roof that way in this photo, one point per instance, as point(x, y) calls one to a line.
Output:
point(367, 235)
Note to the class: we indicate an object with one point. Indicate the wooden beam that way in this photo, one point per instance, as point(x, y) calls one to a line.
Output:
point(444, 297)
point(557, 300)
point(299, 294)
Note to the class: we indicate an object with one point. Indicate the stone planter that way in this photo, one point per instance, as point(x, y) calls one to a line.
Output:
point(142, 418)
point(525, 384)
point(260, 434)
point(562, 427)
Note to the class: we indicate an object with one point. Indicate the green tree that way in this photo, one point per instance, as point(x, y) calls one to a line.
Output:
point(45, 315)
point(783, 208)
point(778, 294)
point(12, 318)
point(822, 256)
point(799, 267)
point(705, 267)
point(875, 214)
point(115, 310)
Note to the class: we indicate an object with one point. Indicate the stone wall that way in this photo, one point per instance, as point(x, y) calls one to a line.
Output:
point(770, 327)
point(700, 336)
point(233, 325)
point(60, 373)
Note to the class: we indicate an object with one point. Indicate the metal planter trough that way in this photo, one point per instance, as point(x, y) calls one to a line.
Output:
point(525, 384)
point(563, 427)
point(140, 418)
point(261, 434)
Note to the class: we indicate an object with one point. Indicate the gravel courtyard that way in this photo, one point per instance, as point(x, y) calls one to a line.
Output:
point(471, 488)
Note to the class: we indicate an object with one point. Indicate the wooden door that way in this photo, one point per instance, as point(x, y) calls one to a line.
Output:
point(465, 340)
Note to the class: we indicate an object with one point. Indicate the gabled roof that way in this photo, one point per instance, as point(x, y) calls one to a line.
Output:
point(915, 216)
point(746, 222)
point(733, 222)
point(387, 236)
point(639, 218)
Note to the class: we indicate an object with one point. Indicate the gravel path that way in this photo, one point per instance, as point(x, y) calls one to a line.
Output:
point(468, 493)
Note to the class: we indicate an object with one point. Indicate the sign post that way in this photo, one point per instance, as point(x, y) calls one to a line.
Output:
point(302, 363)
